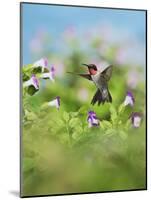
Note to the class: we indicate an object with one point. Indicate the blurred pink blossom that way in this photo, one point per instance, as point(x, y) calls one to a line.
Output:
point(104, 47)
point(133, 79)
point(37, 43)
point(83, 94)
point(121, 57)
point(36, 46)
point(69, 33)
point(59, 68)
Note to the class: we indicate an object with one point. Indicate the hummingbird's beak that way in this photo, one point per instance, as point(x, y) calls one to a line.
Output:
point(85, 64)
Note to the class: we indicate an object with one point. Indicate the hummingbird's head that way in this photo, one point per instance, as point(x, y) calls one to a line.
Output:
point(92, 68)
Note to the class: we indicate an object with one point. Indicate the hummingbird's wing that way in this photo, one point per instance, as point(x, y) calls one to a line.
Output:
point(87, 76)
point(107, 73)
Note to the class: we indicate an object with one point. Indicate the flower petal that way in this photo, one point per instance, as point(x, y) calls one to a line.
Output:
point(55, 102)
point(129, 99)
point(43, 62)
point(136, 119)
point(92, 119)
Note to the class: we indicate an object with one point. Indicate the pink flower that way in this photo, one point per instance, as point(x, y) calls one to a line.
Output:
point(32, 81)
point(55, 102)
point(92, 119)
point(129, 99)
point(136, 119)
point(43, 63)
point(49, 75)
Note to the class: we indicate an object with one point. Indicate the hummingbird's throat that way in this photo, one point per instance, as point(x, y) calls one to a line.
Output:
point(92, 71)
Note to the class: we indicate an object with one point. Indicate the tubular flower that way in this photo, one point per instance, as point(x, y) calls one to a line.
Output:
point(92, 119)
point(136, 119)
point(43, 63)
point(49, 75)
point(129, 99)
point(32, 81)
point(55, 102)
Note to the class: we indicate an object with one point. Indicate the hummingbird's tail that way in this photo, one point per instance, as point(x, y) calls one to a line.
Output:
point(100, 98)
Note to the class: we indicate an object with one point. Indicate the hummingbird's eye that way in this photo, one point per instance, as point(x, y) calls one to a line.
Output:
point(94, 67)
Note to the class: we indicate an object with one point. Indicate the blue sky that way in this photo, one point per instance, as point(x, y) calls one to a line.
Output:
point(56, 18)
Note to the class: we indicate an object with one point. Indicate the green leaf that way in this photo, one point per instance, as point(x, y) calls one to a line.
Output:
point(122, 134)
point(119, 122)
point(113, 110)
point(77, 134)
point(31, 90)
point(128, 124)
point(106, 124)
point(83, 110)
point(46, 70)
point(25, 77)
point(30, 115)
point(121, 108)
point(73, 114)
point(110, 132)
point(66, 116)
point(44, 106)
point(74, 122)
point(113, 113)
point(27, 68)
point(36, 70)
point(64, 138)
point(28, 164)
point(60, 123)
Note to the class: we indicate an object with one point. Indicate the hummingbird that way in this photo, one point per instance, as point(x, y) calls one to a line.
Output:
point(100, 79)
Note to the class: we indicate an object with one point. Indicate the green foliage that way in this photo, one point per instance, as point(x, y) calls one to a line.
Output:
point(31, 90)
point(61, 154)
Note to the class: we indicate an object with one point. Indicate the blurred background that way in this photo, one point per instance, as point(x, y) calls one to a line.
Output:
point(69, 36)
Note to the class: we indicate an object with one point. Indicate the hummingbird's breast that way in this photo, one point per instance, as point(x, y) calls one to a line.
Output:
point(100, 83)
point(97, 80)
